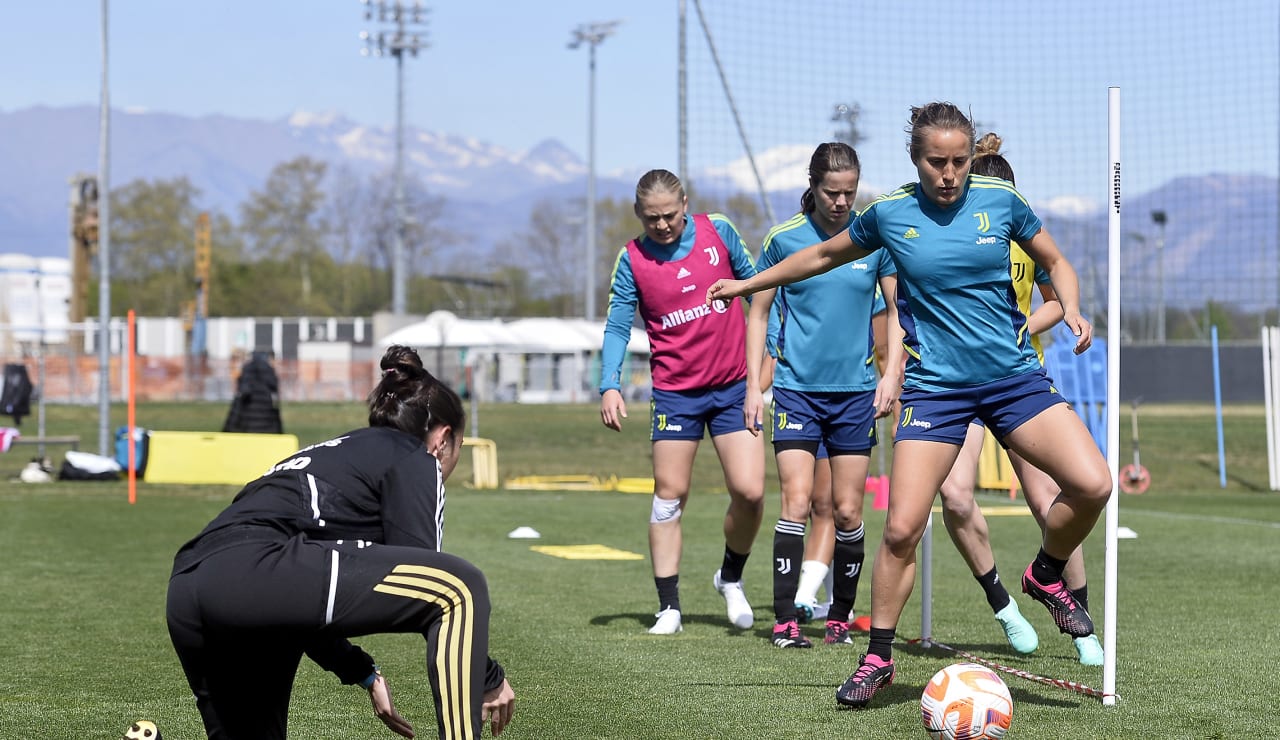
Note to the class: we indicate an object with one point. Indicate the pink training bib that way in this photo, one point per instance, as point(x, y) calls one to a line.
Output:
point(692, 344)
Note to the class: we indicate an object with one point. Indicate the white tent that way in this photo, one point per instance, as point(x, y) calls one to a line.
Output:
point(536, 359)
point(594, 330)
point(444, 329)
point(535, 335)
point(543, 334)
point(552, 336)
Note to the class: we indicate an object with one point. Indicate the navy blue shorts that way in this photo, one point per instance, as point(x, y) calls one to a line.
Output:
point(687, 414)
point(1003, 405)
point(842, 421)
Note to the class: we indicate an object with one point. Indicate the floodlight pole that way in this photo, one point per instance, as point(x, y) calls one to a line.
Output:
point(592, 34)
point(104, 256)
point(1160, 217)
point(396, 42)
point(682, 93)
point(1148, 328)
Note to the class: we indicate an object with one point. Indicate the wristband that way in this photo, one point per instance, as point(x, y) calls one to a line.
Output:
point(367, 683)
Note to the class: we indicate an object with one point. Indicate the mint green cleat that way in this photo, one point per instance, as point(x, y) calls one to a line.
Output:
point(1022, 636)
point(1089, 650)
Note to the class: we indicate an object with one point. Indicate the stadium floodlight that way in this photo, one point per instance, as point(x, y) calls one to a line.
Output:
point(847, 114)
point(591, 34)
point(1147, 330)
point(396, 41)
point(1159, 218)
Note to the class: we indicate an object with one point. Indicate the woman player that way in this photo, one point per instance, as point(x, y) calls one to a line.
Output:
point(339, 540)
point(824, 389)
point(969, 356)
point(699, 371)
point(961, 514)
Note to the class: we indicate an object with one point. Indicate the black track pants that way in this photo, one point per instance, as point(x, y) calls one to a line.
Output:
point(243, 618)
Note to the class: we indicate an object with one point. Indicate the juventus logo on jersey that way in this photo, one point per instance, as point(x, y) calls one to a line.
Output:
point(712, 255)
point(784, 565)
point(984, 221)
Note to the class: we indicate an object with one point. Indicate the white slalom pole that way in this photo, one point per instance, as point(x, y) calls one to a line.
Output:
point(1271, 389)
point(1113, 394)
point(1273, 379)
point(1268, 401)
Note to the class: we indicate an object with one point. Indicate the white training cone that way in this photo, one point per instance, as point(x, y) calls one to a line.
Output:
point(523, 533)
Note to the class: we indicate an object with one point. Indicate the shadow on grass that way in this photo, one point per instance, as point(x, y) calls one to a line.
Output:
point(1243, 482)
point(895, 693)
point(996, 650)
point(645, 621)
point(1001, 653)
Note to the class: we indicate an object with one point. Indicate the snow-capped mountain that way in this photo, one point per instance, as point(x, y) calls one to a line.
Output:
point(1220, 232)
point(227, 158)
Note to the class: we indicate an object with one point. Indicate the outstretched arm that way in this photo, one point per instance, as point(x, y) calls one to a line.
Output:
point(808, 262)
point(1044, 250)
point(354, 666)
point(385, 709)
point(757, 327)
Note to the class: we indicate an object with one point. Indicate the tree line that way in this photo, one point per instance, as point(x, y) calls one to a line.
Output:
point(316, 240)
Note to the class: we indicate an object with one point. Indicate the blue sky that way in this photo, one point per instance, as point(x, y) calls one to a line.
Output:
point(249, 58)
point(1200, 80)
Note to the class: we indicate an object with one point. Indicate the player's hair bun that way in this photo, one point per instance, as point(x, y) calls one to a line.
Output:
point(988, 145)
point(400, 363)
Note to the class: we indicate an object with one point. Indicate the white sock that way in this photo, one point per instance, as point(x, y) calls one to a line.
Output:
point(829, 583)
point(812, 573)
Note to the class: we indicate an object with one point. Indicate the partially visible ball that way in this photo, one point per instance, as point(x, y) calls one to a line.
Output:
point(143, 729)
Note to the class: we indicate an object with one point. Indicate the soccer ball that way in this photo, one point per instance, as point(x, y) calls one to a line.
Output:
point(966, 701)
point(142, 730)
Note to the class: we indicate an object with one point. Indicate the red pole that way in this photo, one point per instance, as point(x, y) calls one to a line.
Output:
point(131, 358)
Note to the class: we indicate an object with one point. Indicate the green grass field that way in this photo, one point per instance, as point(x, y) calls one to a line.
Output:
point(85, 649)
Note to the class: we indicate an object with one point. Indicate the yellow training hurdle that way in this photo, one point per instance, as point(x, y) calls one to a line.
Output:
point(484, 461)
point(994, 469)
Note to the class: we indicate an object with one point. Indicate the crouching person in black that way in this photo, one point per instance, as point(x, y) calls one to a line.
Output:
point(340, 540)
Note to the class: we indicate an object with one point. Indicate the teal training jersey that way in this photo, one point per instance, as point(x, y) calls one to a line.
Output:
point(824, 341)
point(956, 298)
point(775, 321)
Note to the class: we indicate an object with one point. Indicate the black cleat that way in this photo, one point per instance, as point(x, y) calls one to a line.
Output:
point(1070, 617)
point(873, 672)
point(787, 635)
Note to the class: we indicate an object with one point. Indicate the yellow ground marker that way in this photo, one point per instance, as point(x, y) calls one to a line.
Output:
point(579, 483)
point(997, 510)
point(586, 552)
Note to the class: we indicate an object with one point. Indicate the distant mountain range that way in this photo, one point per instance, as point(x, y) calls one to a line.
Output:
point(1221, 228)
point(226, 158)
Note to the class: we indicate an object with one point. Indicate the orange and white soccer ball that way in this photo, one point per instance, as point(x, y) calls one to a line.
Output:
point(966, 701)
